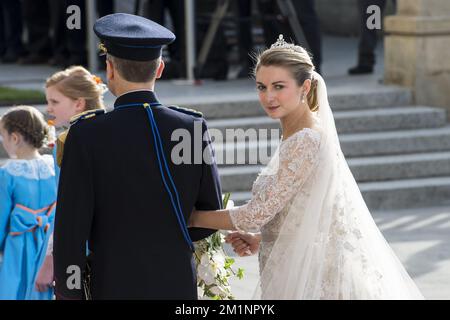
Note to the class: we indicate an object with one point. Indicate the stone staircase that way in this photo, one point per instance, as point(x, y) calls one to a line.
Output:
point(398, 153)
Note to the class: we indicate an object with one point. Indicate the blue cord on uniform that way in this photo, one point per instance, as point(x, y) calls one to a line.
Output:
point(160, 153)
point(150, 113)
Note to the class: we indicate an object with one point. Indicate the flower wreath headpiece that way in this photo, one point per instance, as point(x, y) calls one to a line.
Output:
point(100, 83)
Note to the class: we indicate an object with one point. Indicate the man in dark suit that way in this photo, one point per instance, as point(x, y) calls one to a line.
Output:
point(367, 38)
point(11, 46)
point(155, 11)
point(36, 18)
point(274, 24)
point(115, 192)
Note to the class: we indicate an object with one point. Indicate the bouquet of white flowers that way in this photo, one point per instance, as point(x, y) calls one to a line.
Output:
point(213, 266)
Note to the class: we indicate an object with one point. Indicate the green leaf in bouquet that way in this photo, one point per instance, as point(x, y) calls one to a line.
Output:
point(229, 262)
point(226, 197)
point(240, 273)
point(216, 240)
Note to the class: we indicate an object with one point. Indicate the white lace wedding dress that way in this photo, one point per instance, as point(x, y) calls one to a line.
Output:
point(319, 240)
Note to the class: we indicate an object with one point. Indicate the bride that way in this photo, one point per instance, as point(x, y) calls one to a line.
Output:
point(319, 240)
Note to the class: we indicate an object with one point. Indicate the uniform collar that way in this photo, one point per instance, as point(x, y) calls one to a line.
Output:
point(138, 96)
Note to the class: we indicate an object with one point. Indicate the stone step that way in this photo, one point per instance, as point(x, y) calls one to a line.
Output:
point(397, 167)
point(395, 118)
point(254, 151)
point(353, 145)
point(395, 142)
point(397, 194)
point(377, 97)
point(380, 168)
point(407, 193)
point(340, 99)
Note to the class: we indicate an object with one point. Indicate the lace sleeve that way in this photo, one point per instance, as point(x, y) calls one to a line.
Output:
point(297, 160)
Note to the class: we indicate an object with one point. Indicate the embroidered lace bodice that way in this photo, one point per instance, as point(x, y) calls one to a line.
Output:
point(286, 177)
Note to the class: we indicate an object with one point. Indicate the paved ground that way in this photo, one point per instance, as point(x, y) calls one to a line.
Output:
point(419, 237)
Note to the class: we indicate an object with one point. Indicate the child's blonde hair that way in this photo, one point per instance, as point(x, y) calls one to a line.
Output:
point(77, 82)
point(29, 122)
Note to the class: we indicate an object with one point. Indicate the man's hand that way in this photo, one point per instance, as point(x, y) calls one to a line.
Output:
point(244, 244)
point(44, 279)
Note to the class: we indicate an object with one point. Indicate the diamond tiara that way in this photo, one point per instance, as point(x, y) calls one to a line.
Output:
point(282, 44)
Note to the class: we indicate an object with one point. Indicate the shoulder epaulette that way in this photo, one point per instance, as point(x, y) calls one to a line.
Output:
point(60, 146)
point(61, 140)
point(191, 112)
point(86, 115)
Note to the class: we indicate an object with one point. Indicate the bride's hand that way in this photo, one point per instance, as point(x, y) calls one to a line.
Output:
point(244, 244)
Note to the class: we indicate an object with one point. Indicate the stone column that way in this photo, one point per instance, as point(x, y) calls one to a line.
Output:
point(417, 50)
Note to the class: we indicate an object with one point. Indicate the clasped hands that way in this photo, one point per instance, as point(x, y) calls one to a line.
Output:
point(244, 244)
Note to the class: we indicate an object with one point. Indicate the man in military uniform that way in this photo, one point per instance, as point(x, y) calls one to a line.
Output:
point(119, 191)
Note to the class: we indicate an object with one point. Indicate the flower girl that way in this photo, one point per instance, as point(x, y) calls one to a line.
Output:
point(71, 93)
point(27, 204)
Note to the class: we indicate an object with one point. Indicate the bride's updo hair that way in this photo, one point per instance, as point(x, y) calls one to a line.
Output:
point(76, 82)
point(297, 61)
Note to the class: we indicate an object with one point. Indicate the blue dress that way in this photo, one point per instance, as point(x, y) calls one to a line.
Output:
point(55, 164)
point(27, 211)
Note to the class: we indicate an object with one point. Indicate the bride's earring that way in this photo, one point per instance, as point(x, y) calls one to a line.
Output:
point(303, 98)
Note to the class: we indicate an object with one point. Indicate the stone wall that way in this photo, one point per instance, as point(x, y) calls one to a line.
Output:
point(417, 50)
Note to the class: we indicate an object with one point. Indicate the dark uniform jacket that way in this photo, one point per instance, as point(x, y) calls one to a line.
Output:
point(111, 195)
